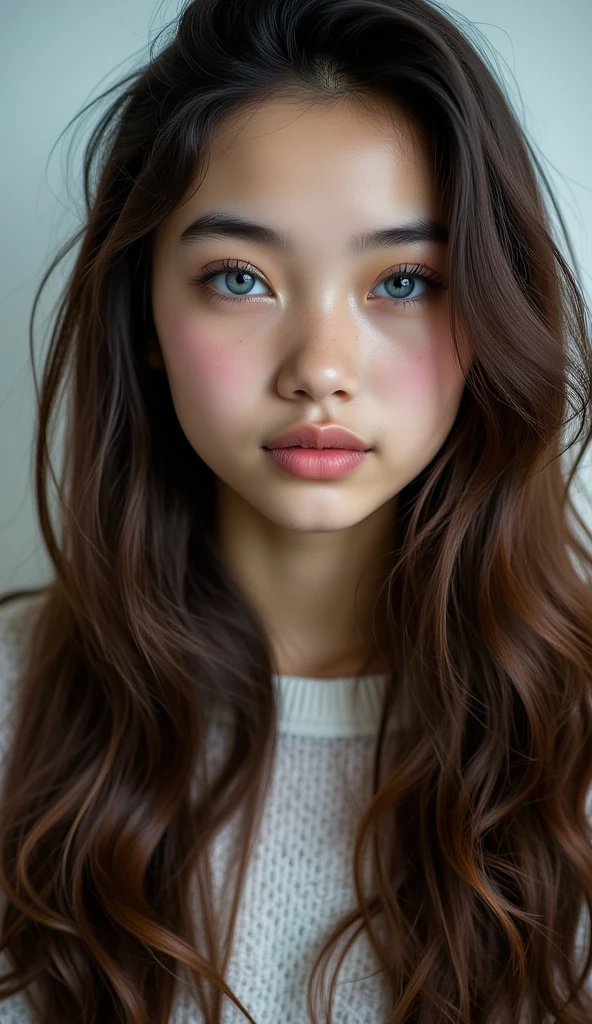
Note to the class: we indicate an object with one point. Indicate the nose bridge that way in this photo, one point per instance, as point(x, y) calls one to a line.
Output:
point(326, 322)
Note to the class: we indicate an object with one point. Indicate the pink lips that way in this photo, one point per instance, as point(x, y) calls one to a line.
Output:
point(316, 464)
point(317, 453)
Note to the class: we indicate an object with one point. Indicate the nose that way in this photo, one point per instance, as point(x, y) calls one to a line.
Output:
point(323, 361)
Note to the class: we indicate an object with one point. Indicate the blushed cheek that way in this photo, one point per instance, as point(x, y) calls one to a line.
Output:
point(424, 374)
point(207, 367)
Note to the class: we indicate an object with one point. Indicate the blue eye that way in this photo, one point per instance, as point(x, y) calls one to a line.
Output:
point(405, 283)
point(243, 277)
point(242, 280)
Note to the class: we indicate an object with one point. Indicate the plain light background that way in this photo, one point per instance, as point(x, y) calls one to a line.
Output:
point(56, 57)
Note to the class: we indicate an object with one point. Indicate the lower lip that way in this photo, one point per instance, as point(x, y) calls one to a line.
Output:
point(316, 463)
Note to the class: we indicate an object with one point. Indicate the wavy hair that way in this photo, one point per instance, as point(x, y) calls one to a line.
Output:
point(477, 830)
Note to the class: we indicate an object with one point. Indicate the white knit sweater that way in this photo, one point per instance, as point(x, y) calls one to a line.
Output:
point(298, 883)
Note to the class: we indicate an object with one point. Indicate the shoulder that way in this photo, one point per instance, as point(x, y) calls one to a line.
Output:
point(18, 614)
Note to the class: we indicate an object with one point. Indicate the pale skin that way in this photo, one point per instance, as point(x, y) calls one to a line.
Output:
point(319, 339)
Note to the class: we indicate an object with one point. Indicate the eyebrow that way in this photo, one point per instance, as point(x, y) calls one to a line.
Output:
point(218, 224)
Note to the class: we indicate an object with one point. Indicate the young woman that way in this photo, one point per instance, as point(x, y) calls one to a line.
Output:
point(313, 673)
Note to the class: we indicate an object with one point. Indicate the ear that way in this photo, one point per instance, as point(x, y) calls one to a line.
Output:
point(154, 354)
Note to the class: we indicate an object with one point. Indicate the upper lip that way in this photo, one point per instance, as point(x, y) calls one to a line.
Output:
point(307, 435)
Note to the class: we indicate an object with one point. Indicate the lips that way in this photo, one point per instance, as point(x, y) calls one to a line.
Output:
point(307, 435)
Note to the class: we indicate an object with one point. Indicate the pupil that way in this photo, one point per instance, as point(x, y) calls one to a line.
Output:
point(401, 281)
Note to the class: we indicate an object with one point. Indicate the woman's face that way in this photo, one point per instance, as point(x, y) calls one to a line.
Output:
point(324, 331)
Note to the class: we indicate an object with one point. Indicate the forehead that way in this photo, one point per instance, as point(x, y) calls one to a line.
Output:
point(295, 137)
point(318, 169)
point(356, 116)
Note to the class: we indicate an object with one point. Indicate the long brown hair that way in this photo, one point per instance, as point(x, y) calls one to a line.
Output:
point(477, 828)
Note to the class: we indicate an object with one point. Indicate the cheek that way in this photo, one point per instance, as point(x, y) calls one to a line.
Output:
point(205, 367)
point(426, 374)
point(210, 376)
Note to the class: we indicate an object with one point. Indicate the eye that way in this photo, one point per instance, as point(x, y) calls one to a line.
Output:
point(242, 277)
point(403, 286)
point(401, 283)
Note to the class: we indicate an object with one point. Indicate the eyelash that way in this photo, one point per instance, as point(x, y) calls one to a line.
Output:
point(418, 270)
